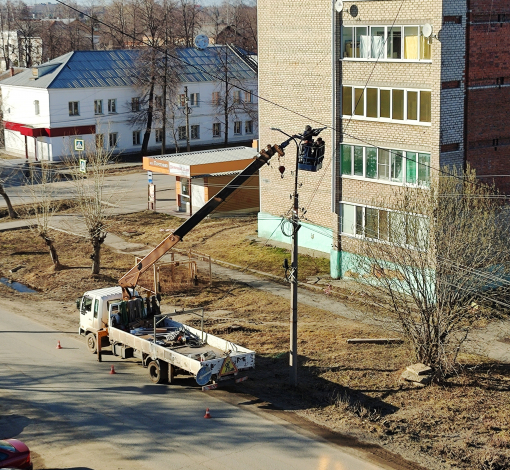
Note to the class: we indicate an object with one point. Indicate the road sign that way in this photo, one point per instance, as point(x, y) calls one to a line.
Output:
point(203, 375)
point(228, 367)
point(83, 166)
point(79, 145)
point(149, 176)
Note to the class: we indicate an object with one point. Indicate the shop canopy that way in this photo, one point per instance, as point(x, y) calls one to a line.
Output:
point(205, 162)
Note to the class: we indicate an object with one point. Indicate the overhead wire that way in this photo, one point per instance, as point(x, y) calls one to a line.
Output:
point(238, 86)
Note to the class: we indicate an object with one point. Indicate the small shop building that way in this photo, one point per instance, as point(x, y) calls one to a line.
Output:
point(200, 175)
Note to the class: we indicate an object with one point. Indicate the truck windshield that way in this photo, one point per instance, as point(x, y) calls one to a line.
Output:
point(86, 305)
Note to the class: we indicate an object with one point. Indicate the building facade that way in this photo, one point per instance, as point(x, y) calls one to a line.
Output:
point(93, 95)
point(405, 88)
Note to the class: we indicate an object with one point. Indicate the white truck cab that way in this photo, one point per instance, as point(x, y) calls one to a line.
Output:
point(94, 306)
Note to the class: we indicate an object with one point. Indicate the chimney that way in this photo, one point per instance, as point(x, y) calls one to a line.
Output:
point(11, 71)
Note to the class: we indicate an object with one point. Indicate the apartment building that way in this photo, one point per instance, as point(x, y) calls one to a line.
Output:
point(93, 95)
point(406, 87)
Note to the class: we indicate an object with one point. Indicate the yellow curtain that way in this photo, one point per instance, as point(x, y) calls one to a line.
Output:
point(411, 47)
point(425, 48)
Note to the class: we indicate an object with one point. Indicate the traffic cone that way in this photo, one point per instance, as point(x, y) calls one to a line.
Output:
point(207, 414)
point(112, 370)
point(58, 345)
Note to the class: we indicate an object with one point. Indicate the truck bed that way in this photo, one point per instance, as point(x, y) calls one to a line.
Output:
point(186, 357)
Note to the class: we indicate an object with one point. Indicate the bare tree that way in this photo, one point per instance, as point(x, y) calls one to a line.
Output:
point(188, 21)
point(12, 212)
point(433, 260)
point(93, 196)
point(44, 205)
point(231, 100)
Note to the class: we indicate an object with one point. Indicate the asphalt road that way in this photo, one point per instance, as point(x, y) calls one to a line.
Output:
point(74, 415)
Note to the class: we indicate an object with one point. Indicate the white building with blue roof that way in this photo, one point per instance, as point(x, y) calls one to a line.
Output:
point(89, 95)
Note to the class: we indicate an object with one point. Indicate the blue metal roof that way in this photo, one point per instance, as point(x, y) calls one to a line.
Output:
point(91, 69)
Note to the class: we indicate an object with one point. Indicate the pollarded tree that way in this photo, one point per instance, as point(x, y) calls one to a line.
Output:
point(433, 260)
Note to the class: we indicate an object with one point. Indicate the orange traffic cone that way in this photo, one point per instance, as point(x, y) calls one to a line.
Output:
point(207, 414)
point(58, 345)
point(112, 370)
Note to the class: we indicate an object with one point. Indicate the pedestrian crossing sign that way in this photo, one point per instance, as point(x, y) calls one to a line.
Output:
point(228, 367)
point(79, 145)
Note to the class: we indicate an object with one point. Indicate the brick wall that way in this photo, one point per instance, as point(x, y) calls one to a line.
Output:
point(488, 95)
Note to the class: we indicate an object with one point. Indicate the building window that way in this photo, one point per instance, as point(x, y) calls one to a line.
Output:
point(74, 108)
point(248, 127)
point(99, 141)
point(113, 139)
point(194, 99)
point(98, 106)
point(195, 131)
point(386, 43)
point(248, 96)
point(215, 98)
point(136, 137)
point(411, 106)
point(181, 131)
point(237, 96)
point(158, 101)
point(238, 127)
point(385, 225)
point(36, 107)
point(216, 129)
point(374, 163)
point(135, 104)
point(159, 135)
point(112, 106)
point(182, 100)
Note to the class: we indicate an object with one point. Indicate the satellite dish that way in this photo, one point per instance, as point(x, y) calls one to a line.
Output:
point(339, 5)
point(427, 30)
point(201, 41)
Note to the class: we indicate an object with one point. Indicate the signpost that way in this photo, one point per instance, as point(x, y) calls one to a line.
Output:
point(149, 176)
point(79, 146)
point(152, 197)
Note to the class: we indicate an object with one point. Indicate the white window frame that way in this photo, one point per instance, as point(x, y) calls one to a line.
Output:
point(99, 139)
point(181, 133)
point(215, 98)
point(158, 134)
point(98, 107)
point(236, 96)
point(248, 96)
point(387, 28)
point(392, 152)
point(135, 104)
point(115, 137)
point(194, 132)
point(248, 127)
point(363, 223)
point(181, 100)
point(137, 140)
point(194, 100)
point(37, 108)
point(75, 111)
point(112, 106)
point(364, 117)
point(238, 127)
point(216, 129)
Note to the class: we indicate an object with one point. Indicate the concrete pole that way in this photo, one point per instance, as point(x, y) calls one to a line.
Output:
point(293, 357)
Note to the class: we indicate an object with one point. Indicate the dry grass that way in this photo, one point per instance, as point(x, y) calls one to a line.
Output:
point(224, 239)
point(465, 422)
point(24, 248)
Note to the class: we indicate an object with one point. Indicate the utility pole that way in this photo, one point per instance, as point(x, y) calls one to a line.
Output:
point(187, 111)
point(293, 356)
point(299, 140)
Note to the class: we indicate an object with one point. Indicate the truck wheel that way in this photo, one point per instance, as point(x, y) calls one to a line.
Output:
point(91, 343)
point(158, 372)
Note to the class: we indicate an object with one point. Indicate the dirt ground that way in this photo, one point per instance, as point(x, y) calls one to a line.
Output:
point(351, 389)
